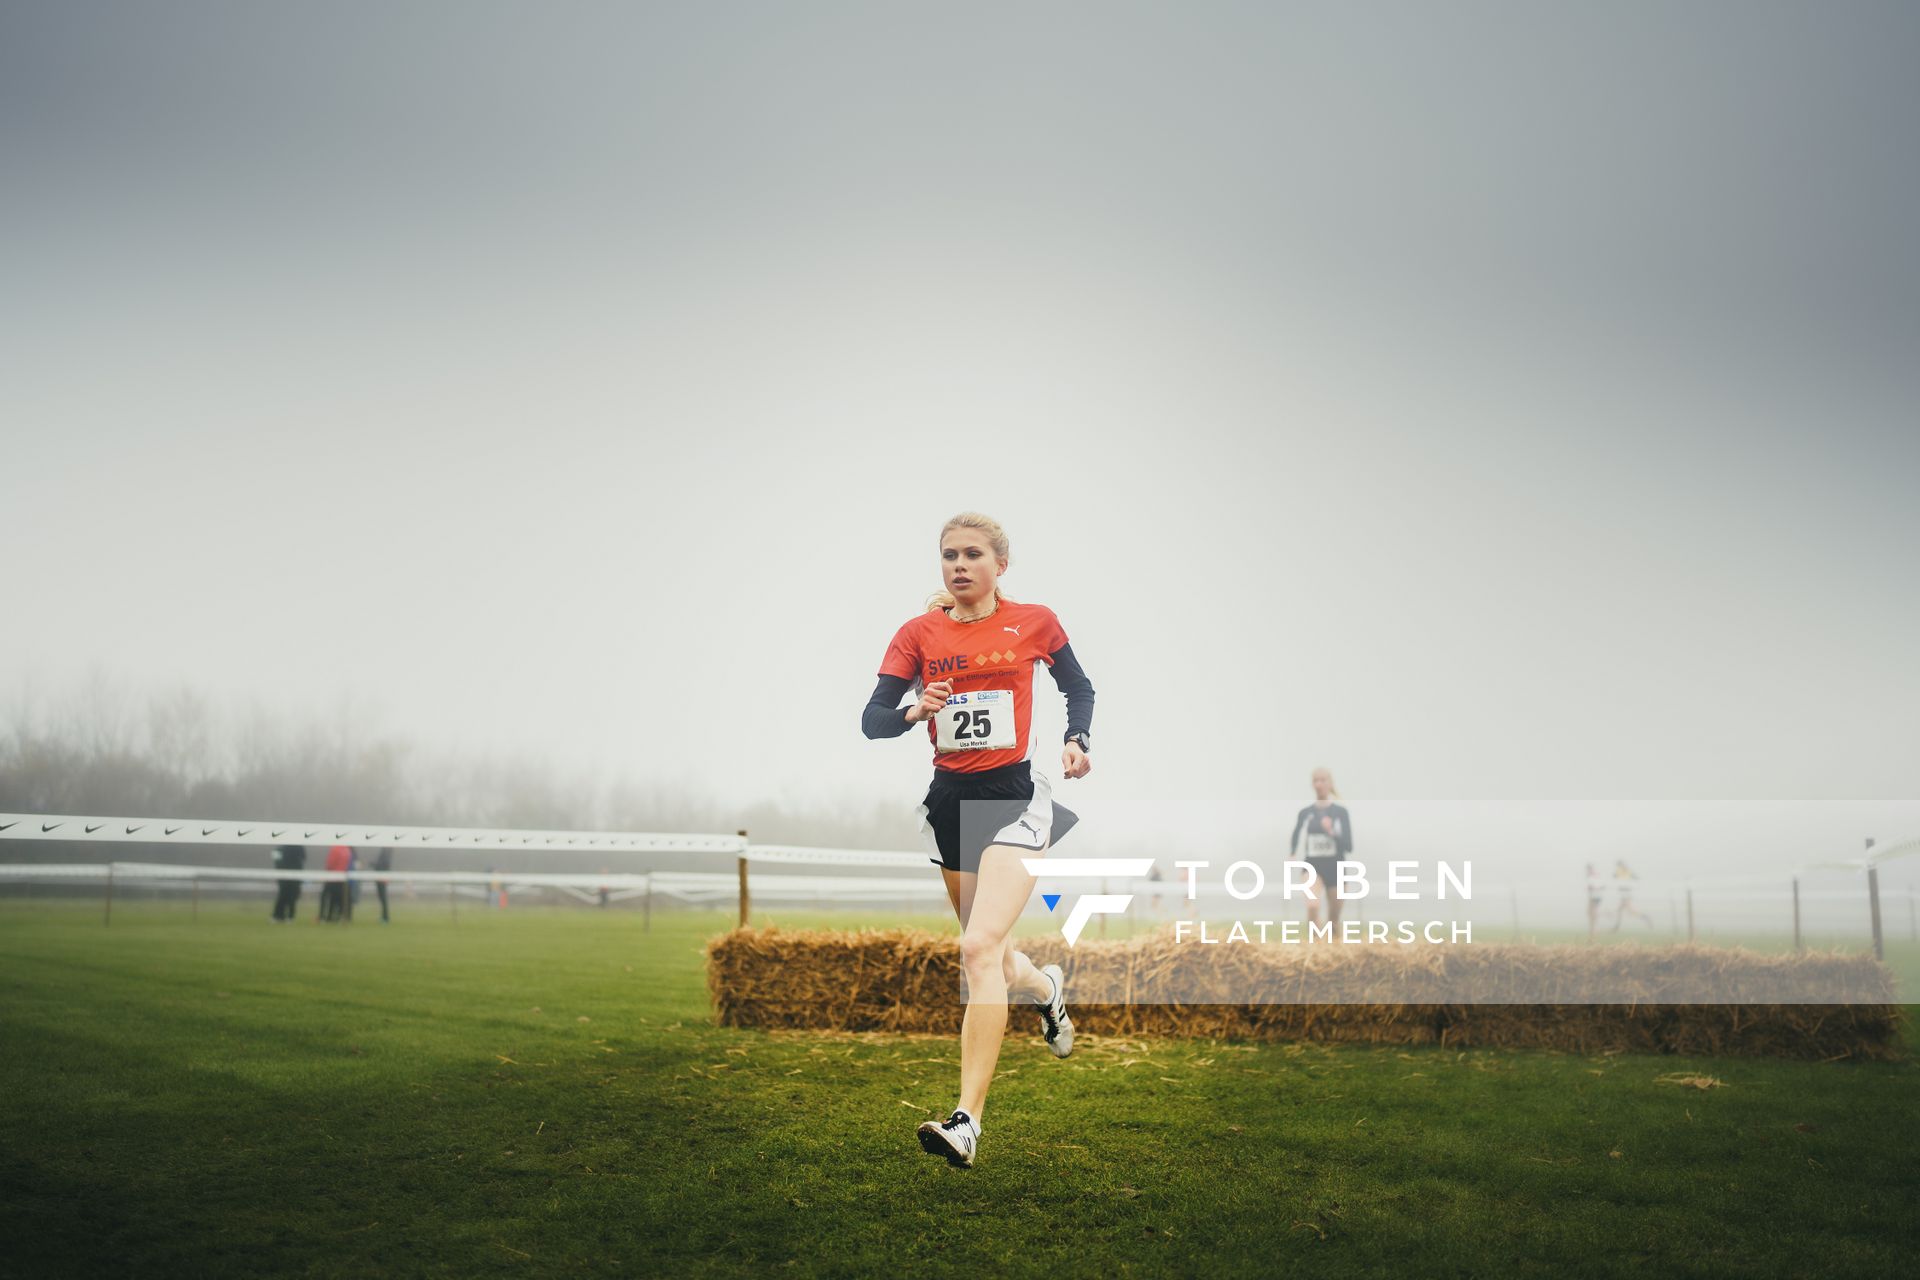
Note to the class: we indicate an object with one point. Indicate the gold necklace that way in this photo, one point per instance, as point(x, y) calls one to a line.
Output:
point(982, 617)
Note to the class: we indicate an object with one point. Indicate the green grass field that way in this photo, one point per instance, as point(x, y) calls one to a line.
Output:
point(537, 1092)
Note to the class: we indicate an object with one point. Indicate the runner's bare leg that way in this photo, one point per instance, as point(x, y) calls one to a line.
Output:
point(1000, 894)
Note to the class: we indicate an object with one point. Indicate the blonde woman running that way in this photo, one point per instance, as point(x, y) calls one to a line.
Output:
point(969, 661)
point(1623, 878)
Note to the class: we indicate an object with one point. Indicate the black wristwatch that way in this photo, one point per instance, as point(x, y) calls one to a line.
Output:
point(1086, 743)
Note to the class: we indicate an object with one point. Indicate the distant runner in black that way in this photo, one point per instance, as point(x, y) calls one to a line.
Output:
point(1323, 834)
point(383, 861)
point(288, 857)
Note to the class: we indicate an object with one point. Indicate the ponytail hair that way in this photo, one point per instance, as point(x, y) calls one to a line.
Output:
point(996, 538)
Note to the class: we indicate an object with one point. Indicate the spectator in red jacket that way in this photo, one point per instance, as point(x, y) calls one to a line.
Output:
point(333, 896)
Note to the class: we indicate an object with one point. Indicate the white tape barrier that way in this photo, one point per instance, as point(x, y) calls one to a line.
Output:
point(178, 831)
point(1873, 858)
point(810, 888)
point(696, 886)
point(691, 886)
point(60, 826)
point(1154, 899)
point(835, 857)
point(176, 871)
point(1717, 891)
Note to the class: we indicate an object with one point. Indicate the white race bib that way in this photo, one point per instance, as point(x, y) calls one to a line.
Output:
point(979, 720)
point(1320, 845)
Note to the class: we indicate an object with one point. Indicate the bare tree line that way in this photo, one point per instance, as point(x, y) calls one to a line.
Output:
point(99, 748)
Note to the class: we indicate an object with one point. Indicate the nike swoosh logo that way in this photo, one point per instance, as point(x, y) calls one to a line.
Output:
point(95, 827)
point(44, 828)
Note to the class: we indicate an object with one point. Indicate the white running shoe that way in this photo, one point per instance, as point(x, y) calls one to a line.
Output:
point(1058, 1027)
point(956, 1137)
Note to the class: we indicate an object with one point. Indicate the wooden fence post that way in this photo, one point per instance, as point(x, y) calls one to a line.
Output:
point(745, 900)
point(1873, 905)
point(1689, 915)
point(1797, 946)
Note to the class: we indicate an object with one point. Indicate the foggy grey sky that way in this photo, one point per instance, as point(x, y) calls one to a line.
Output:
point(1501, 404)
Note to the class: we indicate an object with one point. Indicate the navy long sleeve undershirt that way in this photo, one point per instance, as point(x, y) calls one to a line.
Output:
point(1073, 682)
point(884, 717)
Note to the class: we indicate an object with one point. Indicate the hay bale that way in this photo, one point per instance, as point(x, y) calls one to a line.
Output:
point(909, 980)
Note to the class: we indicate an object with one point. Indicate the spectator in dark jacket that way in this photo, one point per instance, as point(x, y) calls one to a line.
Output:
point(288, 857)
point(383, 861)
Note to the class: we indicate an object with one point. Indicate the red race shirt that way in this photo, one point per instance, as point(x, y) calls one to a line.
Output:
point(339, 858)
point(999, 652)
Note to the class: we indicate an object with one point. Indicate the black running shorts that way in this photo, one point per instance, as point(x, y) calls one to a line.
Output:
point(965, 812)
point(1327, 870)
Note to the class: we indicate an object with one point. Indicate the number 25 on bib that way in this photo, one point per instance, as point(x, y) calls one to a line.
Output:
point(976, 721)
